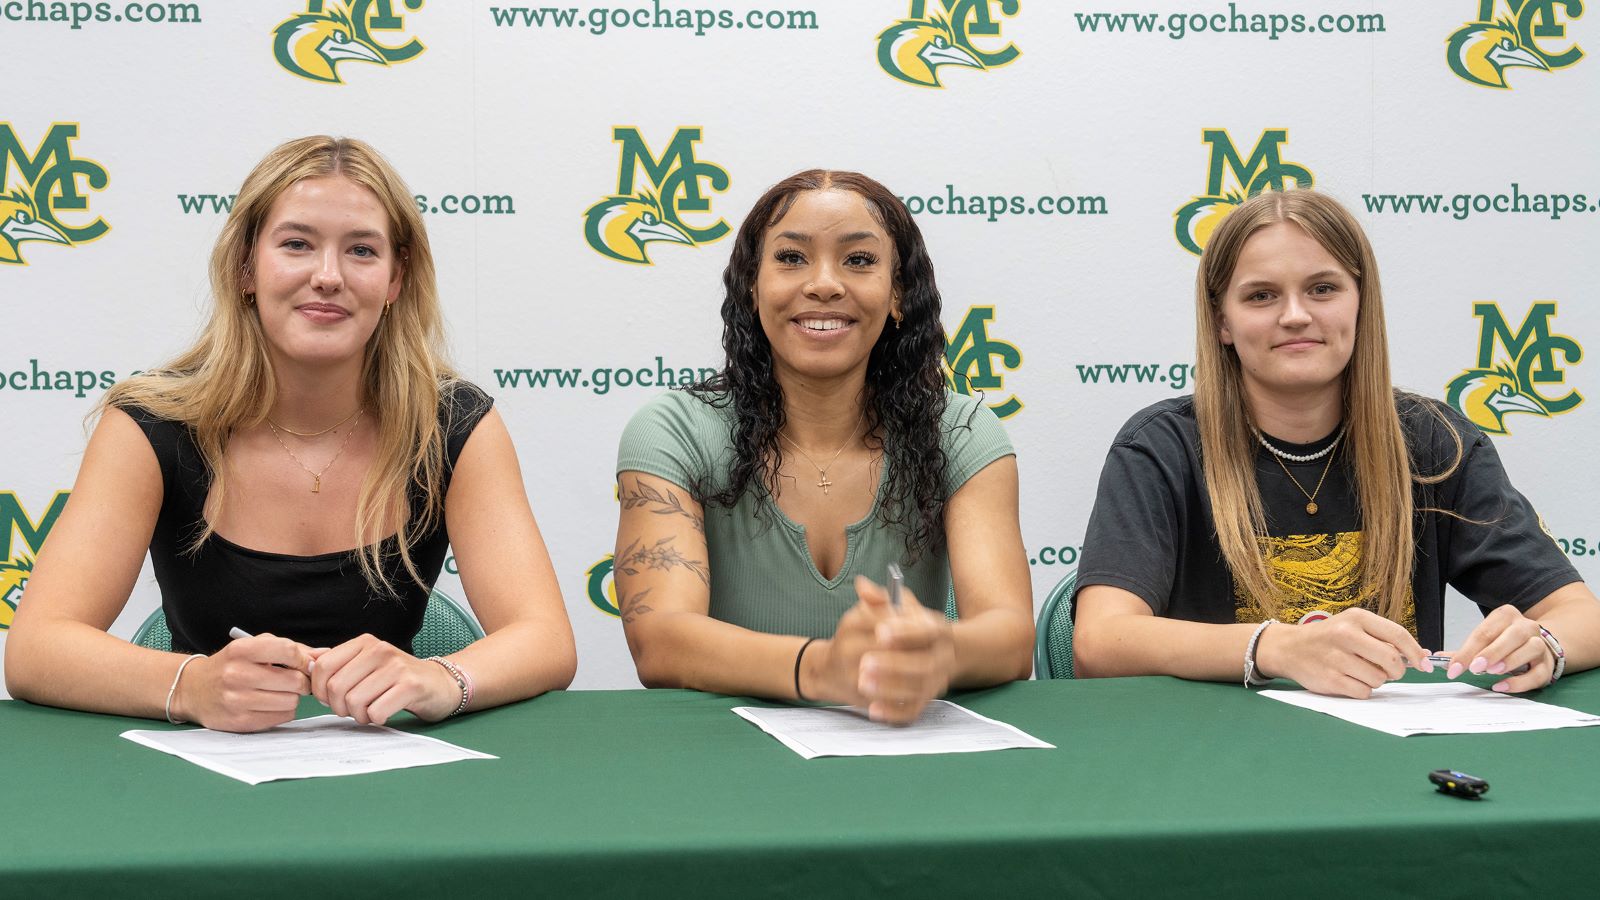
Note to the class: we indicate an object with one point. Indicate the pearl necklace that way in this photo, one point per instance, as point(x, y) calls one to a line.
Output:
point(1296, 457)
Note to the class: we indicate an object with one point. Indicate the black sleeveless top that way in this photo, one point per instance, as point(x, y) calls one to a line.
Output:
point(320, 601)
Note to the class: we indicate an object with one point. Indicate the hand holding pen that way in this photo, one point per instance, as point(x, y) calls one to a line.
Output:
point(251, 684)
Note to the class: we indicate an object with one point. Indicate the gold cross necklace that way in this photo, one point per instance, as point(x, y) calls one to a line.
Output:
point(822, 471)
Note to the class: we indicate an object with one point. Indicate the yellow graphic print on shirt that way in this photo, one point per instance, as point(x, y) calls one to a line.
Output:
point(1320, 576)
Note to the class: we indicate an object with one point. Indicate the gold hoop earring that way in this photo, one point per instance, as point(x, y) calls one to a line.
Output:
point(385, 313)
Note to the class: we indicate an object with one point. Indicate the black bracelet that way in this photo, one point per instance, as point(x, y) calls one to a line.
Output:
point(797, 657)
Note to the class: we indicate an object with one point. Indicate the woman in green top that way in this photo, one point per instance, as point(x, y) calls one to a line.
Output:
point(757, 506)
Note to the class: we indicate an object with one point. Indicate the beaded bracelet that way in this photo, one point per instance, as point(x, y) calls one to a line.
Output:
point(1555, 649)
point(462, 679)
point(1251, 679)
point(172, 691)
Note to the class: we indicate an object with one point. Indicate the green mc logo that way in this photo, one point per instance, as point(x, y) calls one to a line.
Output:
point(314, 43)
point(1509, 34)
point(621, 225)
point(1498, 386)
point(913, 49)
point(969, 358)
point(17, 564)
point(37, 188)
point(1230, 178)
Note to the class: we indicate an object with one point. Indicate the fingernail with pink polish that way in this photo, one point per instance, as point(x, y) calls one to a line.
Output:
point(1498, 668)
point(1501, 687)
point(1478, 665)
point(1454, 670)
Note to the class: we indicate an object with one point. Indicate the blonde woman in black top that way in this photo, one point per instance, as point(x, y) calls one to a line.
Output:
point(298, 474)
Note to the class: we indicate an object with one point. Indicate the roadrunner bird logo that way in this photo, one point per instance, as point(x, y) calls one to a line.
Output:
point(312, 44)
point(1511, 365)
point(622, 223)
point(1231, 178)
point(13, 578)
point(1481, 51)
point(914, 49)
point(1486, 395)
point(619, 227)
point(19, 221)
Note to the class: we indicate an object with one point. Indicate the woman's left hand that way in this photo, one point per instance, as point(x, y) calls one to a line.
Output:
point(912, 662)
point(370, 681)
point(1505, 641)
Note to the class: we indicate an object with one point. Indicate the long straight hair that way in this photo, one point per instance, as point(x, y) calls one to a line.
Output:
point(225, 381)
point(1374, 441)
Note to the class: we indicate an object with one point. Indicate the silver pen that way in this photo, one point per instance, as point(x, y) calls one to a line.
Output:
point(897, 582)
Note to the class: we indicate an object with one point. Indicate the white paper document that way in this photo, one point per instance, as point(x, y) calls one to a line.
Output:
point(1451, 708)
point(943, 727)
point(305, 748)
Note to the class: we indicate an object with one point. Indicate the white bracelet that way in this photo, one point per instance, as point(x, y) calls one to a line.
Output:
point(1251, 679)
point(1556, 651)
point(172, 691)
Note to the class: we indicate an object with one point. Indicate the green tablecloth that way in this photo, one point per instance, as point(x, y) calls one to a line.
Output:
point(1159, 787)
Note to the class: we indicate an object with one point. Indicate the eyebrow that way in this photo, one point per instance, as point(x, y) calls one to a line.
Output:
point(301, 228)
point(851, 238)
point(1267, 282)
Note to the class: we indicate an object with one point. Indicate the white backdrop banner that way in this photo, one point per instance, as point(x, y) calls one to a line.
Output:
point(1066, 161)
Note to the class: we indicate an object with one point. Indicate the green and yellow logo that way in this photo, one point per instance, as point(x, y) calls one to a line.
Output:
point(17, 564)
point(36, 188)
point(312, 44)
point(969, 360)
point(598, 587)
point(1498, 386)
point(916, 47)
point(619, 226)
point(1481, 51)
point(1231, 178)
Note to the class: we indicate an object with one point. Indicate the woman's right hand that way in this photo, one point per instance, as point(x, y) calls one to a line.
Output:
point(251, 684)
point(1346, 655)
point(893, 662)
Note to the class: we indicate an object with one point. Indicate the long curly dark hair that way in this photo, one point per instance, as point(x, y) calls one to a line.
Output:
point(905, 395)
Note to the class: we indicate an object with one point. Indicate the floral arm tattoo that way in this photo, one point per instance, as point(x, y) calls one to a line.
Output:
point(662, 503)
point(661, 556)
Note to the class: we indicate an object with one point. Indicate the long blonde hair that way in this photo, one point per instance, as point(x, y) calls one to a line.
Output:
point(225, 381)
point(1373, 438)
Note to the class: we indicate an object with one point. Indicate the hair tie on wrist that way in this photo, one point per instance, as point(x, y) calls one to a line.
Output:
point(797, 657)
point(172, 691)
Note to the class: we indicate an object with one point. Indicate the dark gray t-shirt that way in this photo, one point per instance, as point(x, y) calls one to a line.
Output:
point(1151, 532)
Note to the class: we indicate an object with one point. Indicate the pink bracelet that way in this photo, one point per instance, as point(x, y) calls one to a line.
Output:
point(462, 679)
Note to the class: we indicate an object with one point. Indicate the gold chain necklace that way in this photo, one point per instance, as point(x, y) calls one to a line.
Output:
point(1311, 498)
point(316, 477)
point(822, 471)
point(315, 433)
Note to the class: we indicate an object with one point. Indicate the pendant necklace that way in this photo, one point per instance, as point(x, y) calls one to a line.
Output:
point(316, 477)
point(1280, 456)
point(822, 471)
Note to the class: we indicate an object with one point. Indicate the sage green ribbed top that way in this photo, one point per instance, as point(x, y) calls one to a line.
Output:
point(762, 576)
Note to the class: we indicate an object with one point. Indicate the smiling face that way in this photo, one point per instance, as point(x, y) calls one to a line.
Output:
point(825, 287)
point(1289, 311)
point(322, 268)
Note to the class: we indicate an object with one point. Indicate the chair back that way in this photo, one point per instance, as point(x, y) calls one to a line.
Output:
point(446, 629)
point(1052, 649)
